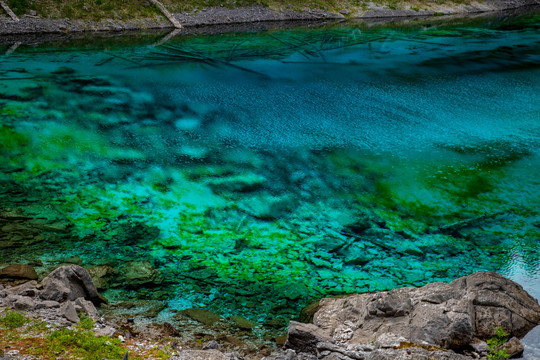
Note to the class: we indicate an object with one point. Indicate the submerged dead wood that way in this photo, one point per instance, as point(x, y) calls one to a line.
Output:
point(454, 228)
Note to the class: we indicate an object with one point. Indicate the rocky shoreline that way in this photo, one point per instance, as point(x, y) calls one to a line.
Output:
point(452, 321)
point(29, 24)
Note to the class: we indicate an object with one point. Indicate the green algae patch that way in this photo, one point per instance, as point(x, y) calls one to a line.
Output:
point(12, 140)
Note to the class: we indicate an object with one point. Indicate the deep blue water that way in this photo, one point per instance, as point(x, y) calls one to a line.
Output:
point(258, 171)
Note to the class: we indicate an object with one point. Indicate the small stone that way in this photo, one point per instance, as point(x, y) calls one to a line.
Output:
point(213, 344)
point(68, 311)
point(359, 257)
point(23, 303)
point(29, 288)
point(87, 307)
point(277, 323)
point(513, 347)
point(201, 355)
point(280, 340)
point(243, 323)
point(480, 347)
point(107, 331)
point(413, 250)
point(193, 152)
point(47, 304)
point(202, 315)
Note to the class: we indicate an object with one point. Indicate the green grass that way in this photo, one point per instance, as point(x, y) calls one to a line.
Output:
point(45, 341)
point(84, 344)
point(13, 320)
point(495, 345)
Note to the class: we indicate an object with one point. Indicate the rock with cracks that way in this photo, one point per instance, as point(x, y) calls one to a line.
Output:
point(69, 283)
point(436, 321)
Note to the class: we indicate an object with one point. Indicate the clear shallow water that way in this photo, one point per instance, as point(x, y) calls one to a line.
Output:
point(257, 172)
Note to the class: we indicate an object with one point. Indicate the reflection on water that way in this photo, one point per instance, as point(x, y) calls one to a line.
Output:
point(251, 173)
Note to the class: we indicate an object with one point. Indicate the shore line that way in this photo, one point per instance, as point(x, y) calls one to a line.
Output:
point(30, 24)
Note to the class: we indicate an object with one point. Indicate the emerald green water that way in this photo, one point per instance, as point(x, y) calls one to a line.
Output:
point(258, 171)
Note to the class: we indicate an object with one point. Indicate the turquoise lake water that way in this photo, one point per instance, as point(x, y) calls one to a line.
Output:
point(251, 173)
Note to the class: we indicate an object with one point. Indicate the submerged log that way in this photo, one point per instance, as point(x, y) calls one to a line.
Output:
point(454, 228)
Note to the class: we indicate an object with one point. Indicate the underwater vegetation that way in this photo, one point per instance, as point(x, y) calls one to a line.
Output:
point(251, 173)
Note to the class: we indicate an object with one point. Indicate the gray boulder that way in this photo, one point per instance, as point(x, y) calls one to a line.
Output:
point(20, 302)
point(449, 316)
point(87, 307)
point(69, 283)
point(29, 288)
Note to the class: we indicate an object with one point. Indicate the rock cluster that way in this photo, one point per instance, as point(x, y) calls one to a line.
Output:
point(64, 292)
point(436, 321)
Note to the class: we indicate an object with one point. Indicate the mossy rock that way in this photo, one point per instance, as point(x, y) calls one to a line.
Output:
point(307, 313)
point(204, 316)
point(243, 323)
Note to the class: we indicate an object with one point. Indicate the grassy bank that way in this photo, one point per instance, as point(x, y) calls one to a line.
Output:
point(23, 335)
point(132, 9)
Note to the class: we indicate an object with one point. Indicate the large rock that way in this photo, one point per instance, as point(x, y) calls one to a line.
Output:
point(17, 271)
point(449, 316)
point(69, 283)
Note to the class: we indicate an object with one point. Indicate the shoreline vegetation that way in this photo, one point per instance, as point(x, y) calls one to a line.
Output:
point(65, 16)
